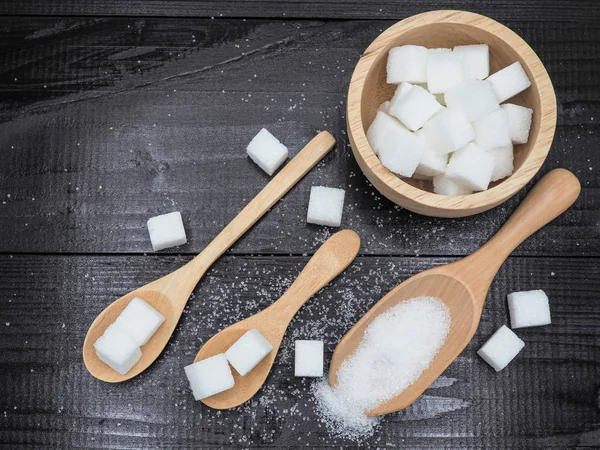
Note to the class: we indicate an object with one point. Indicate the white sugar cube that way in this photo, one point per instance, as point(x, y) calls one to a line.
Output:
point(501, 348)
point(509, 81)
point(519, 122)
point(117, 349)
point(475, 98)
point(209, 376)
point(492, 131)
point(444, 70)
point(166, 231)
point(414, 108)
point(471, 167)
point(325, 206)
point(400, 91)
point(400, 151)
point(407, 63)
point(503, 162)
point(431, 163)
point(139, 320)
point(476, 63)
point(308, 359)
point(439, 50)
point(448, 131)
point(266, 151)
point(378, 129)
point(384, 107)
point(248, 351)
point(529, 309)
point(443, 185)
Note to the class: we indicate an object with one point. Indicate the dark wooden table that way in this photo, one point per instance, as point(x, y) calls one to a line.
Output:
point(114, 111)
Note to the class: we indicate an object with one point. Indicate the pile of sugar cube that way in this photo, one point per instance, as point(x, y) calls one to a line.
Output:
point(212, 375)
point(445, 122)
point(527, 309)
point(119, 346)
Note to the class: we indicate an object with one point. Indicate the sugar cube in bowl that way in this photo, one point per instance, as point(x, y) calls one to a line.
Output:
point(442, 29)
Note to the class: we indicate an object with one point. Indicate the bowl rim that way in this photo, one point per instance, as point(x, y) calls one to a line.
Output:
point(429, 203)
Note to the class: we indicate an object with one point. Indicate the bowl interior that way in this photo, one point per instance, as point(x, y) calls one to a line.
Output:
point(434, 35)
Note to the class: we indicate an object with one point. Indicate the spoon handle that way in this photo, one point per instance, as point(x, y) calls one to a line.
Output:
point(549, 198)
point(328, 262)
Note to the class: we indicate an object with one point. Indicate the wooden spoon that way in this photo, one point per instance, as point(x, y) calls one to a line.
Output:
point(463, 285)
point(170, 293)
point(328, 262)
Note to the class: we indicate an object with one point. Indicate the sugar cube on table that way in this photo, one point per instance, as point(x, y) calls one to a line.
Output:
point(166, 231)
point(380, 126)
point(400, 151)
point(503, 162)
point(117, 349)
point(519, 122)
point(476, 60)
point(471, 167)
point(209, 376)
point(501, 348)
point(443, 185)
point(139, 320)
point(248, 351)
point(528, 309)
point(444, 70)
point(448, 131)
point(325, 206)
point(431, 163)
point(308, 359)
point(414, 108)
point(509, 81)
point(266, 151)
point(474, 98)
point(407, 63)
point(492, 131)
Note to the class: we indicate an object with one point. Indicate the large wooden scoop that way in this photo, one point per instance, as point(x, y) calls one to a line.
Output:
point(463, 285)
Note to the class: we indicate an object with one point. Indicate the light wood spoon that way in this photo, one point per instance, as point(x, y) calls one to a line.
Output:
point(328, 262)
point(170, 293)
point(463, 285)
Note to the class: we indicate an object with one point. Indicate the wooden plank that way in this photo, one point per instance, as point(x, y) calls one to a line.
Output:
point(106, 122)
point(542, 10)
point(547, 398)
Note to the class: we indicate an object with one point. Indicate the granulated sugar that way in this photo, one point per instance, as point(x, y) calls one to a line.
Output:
point(396, 348)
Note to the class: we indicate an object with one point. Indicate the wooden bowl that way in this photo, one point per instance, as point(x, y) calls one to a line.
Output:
point(368, 89)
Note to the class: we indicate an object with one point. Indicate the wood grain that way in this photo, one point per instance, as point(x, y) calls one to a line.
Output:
point(547, 398)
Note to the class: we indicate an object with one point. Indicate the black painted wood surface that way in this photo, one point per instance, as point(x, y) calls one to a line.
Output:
point(111, 112)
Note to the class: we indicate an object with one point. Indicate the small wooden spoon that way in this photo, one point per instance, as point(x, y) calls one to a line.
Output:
point(170, 293)
point(463, 285)
point(328, 262)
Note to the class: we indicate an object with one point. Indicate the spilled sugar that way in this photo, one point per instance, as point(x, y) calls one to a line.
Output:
point(396, 348)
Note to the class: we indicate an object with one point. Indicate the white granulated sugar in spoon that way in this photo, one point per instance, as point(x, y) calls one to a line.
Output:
point(395, 350)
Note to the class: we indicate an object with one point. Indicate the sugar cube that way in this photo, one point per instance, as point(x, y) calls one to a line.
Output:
point(519, 122)
point(444, 70)
point(471, 167)
point(475, 98)
point(492, 131)
point(266, 151)
point(248, 351)
point(476, 62)
point(401, 90)
point(443, 185)
point(509, 81)
point(308, 359)
point(139, 320)
point(431, 163)
point(448, 131)
point(209, 376)
point(400, 151)
point(528, 309)
point(501, 348)
point(384, 107)
point(117, 349)
point(414, 108)
point(380, 126)
point(439, 50)
point(503, 162)
point(407, 63)
point(166, 231)
point(325, 206)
